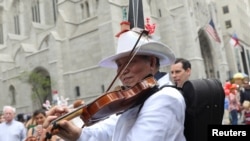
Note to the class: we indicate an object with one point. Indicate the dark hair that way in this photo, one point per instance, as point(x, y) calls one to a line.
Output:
point(39, 111)
point(20, 117)
point(157, 60)
point(185, 63)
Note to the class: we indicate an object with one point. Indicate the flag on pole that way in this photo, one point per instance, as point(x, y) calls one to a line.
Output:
point(234, 41)
point(210, 29)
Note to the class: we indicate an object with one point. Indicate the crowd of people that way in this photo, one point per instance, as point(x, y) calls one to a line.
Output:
point(16, 128)
point(237, 98)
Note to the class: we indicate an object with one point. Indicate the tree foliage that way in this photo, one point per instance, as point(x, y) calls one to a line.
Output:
point(41, 85)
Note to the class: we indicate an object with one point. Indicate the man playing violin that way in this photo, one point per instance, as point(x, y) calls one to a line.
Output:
point(159, 118)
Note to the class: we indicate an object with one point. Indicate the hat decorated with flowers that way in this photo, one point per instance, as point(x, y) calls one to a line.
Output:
point(145, 46)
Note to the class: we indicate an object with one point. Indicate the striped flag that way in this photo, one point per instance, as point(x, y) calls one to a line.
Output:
point(234, 41)
point(210, 29)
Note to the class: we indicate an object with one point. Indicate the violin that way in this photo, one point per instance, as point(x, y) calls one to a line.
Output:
point(107, 104)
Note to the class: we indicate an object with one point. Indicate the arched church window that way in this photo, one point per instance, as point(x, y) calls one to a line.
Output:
point(36, 11)
point(12, 95)
point(16, 18)
point(85, 10)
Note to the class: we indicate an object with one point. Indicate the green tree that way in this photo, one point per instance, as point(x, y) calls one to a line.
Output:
point(41, 85)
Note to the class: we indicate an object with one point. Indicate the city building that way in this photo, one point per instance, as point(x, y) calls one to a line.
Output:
point(63, 41)
point(234, 18)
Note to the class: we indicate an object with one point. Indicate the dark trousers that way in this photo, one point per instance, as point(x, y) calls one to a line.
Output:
point(234, 117)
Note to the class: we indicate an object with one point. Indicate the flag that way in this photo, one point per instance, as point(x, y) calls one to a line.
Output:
point(210, 29)
point(234, 41)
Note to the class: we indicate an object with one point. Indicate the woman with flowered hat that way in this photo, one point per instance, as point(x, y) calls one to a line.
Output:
point(238, 79)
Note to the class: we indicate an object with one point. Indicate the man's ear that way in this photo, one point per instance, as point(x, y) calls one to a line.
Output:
point(189, 71)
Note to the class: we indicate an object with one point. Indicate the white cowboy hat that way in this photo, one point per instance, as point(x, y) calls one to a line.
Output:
point(145, 46)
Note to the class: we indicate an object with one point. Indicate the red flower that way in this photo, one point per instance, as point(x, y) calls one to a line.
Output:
point(149, 27)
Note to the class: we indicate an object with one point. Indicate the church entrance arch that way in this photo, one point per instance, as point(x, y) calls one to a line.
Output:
point(206, 52)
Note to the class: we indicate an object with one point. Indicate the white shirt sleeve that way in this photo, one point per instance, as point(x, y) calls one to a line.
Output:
point(102, 130)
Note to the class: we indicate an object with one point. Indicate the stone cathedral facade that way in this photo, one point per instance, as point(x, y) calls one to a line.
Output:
point(65, 39)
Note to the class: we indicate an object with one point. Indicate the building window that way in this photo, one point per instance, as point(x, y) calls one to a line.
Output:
point(229, 74)
point(17, 24)
point(159, 12)
point(228, 24)
point(36, 12)
point(82, 9)
point(16, 18)
point(238, 60)
point(225, 9)
point(55, 9)
point(85, 10)
point(1, 34)
point(103, 88)
point(77, 91)
point(12, 94)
